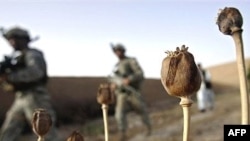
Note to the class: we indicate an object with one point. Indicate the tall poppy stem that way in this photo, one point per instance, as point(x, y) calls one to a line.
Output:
point(237, 37)
point(186, 103)
point(40, 138)
point(105, 120)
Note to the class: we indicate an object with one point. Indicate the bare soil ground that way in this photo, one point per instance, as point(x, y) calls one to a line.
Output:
point(167, 123)
point(74, 100)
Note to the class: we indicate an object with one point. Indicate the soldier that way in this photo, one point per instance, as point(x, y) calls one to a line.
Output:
point(29, 81)
point(128, 93)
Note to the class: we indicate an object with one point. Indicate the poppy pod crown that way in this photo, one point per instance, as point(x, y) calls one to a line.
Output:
point(104, 94)
point(179, 73)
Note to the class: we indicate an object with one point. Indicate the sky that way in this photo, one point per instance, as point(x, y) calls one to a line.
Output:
point(75, 35)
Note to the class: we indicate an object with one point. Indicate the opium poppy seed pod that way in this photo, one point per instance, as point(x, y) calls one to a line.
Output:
point(75, 136)
point(181, 78)
point(179, 73)
point(41, 122)
point(229, 20)
point(104, 94)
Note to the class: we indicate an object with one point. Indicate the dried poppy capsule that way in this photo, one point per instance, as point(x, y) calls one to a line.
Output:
point(104, 94)
point(229, 20)
point(41, 122)
point(179, 73)
point(75, 136)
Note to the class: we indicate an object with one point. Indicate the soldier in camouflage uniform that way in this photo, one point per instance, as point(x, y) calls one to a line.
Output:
point(132, 76)
point(29, 83)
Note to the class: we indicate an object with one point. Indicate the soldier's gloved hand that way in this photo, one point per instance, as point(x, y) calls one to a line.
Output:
point(4, 84)
point(126, 81)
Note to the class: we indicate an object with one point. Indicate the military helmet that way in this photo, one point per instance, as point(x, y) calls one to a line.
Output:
point(17, 32)
point(118, 47)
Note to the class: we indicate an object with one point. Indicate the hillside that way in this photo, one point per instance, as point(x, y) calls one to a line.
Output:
point(225, 76)
point(74, 99)
point(76, 96)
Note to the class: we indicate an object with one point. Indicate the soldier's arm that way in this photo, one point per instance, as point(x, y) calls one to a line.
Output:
point(137, 71)
point(34, 70)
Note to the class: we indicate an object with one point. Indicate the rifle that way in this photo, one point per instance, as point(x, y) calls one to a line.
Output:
point(6, 65)
point(118, 80)
point(10, 64)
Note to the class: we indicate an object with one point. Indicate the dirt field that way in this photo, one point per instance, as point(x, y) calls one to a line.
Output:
point(167, 123)
point(75, 103)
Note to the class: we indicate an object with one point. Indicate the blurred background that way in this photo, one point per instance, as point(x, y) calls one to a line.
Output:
point(75, 37)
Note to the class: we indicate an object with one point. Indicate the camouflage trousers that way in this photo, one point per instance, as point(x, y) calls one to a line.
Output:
point(22, 110)
point(127, 102)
